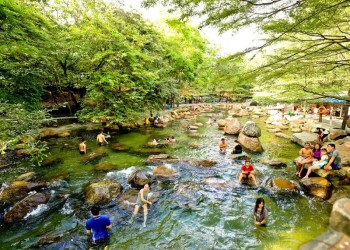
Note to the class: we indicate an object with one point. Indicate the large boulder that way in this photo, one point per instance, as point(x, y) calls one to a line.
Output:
point(138, 179)
point(340, 216)
point(301, 138)
point(23, 207)
point(102, 192)
point(281, 184)
point(336, 134)
point(327, 241)
point(233, 127)
point(317, 186)
point(17, 190)
point(165, 172)
point(251, 129)
point(252, 144)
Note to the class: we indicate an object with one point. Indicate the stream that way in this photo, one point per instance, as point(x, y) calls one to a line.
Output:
point(191, 212)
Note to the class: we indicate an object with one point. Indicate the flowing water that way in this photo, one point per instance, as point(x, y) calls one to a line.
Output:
point(203, 209)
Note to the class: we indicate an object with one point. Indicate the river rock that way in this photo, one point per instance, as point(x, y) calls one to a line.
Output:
point(138, 179)
point(328, 241)
point(282, 184)
point(51, 161)
point(148, 151)
point(340, 216)
point(301, 138)
point(165, 172)
point(337, 134)
point(233, 127)
point(198, 124)
point(18, 190)
point(23, 207)
point(222, 123)
point(251, 129)
point(63, 134)
point(243, 112)
point(119, 147)
point(203, 163)
point(282, 135)
point(22, 153)
point(317, 186)
point(105, 166)
point(276, 164)
point(92, 157)
point(296, 130)
point(215, 182)
point(340, 174)
point(48, 133)
point(252, 144)
point(102, 192)
point(26, 177)
point(273, 130)
point(161, 159)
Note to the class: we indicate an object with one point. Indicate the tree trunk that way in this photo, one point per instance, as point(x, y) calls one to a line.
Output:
point(345, 115)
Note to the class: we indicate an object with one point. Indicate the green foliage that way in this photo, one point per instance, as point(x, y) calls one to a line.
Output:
point(16, 121)
point(37, 151)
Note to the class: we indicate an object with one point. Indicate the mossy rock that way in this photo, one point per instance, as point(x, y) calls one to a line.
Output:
point(150, 151)
point(105, 166)
point(119, 147)
point(55, 160)
point(282, 184)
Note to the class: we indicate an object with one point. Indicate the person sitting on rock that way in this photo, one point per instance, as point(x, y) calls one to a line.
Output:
point(142, 200)
point(247, 171)
point(223, 145)
point(324, 134)
point(306, 157)
point(317, 151)
point(335, 159)
point(237, 148)
point(318, 164)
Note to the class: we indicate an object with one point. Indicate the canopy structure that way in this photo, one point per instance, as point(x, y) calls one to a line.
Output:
point(334, 100)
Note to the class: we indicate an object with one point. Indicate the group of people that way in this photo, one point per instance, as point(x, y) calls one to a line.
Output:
point(98, 226)
point(320, 158)
point(237, 148)
point(101, 140)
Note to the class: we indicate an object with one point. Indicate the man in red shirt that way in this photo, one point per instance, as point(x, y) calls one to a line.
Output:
point(247, 171)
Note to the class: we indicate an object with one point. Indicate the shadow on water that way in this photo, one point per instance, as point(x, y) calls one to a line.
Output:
point(204, 208)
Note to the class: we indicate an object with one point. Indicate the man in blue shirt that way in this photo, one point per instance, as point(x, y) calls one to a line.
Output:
point(335, 160)
point(98, 226)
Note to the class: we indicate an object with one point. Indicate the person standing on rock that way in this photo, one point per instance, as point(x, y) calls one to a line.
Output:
point(142, 201)
point(260, 212)
point(101, 139)
point(305, 157)
point(335, 160)
point(223, 145)
point(98, 227)
point(82, 147)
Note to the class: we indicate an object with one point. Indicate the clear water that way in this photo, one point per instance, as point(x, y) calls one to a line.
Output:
point(189, 214)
